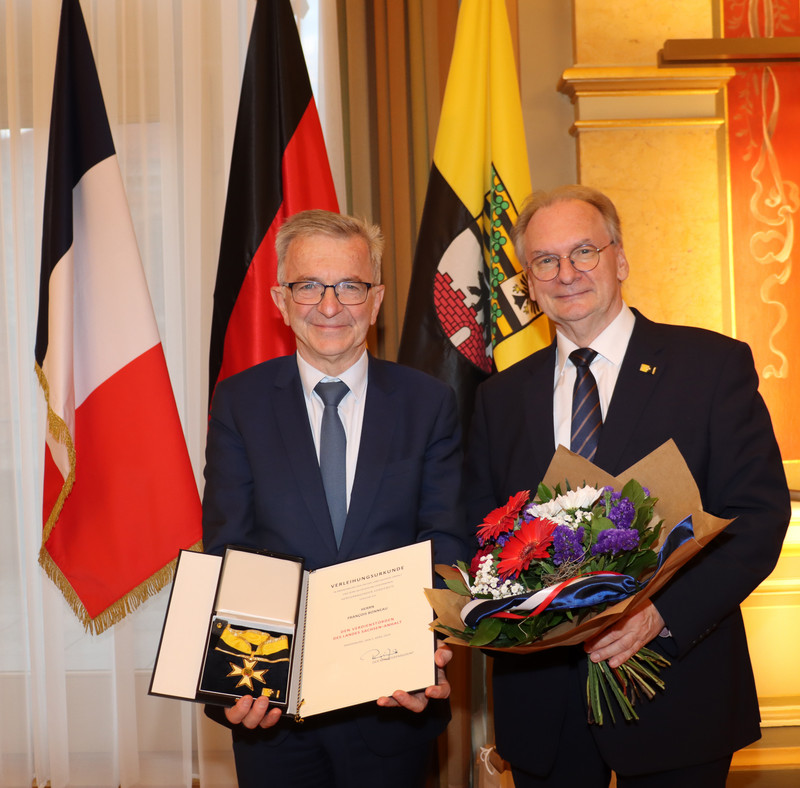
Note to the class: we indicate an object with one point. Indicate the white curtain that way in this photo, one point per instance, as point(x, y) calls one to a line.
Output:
point(74, 708)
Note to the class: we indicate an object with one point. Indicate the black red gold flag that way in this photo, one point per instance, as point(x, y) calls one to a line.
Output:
point(279, 166)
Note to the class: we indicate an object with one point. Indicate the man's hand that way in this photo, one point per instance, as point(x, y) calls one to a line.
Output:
point(252, 713)
point(418, 701)
point(622, 640)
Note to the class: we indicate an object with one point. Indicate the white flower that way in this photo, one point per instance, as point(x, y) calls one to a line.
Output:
point(570, 508)
point(487, 582)
point(550, 510)
point(582, 498)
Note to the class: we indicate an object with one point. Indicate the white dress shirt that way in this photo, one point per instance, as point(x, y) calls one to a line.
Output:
point(610, 345)
point(351, 408)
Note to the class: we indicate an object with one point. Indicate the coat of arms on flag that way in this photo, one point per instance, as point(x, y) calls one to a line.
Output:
point(468, 312)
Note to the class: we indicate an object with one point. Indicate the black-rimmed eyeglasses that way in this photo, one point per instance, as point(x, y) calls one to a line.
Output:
point(347, 293)
point(583, 258)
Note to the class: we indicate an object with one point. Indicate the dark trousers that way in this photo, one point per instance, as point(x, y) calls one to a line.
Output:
point(334, 756)
point(578, 762)
point(703, 775)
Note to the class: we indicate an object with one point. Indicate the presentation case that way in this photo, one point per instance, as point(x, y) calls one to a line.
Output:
point(258, 623)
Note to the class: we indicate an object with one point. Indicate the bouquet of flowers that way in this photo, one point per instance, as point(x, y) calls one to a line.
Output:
point(558, 567)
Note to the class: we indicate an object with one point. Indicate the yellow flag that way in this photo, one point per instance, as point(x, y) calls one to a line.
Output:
point(468, 311)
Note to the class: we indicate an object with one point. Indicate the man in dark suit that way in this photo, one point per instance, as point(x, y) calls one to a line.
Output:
point(264, 489)
point(655, 382)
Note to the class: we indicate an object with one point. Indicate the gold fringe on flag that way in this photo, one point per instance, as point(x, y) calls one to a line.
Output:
point(58, 428)
point(123, 606)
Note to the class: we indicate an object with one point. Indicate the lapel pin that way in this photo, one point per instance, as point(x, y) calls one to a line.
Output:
point(647, 369)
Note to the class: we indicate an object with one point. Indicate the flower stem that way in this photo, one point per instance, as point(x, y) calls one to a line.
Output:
point(636, 676)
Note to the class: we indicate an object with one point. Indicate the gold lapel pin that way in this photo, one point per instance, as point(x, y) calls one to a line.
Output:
point(647, 369)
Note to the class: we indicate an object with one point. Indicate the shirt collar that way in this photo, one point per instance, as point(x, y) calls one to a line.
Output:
point(611, 343)
point(355, 376)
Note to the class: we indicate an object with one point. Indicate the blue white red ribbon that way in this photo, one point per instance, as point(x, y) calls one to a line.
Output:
point(584, 591)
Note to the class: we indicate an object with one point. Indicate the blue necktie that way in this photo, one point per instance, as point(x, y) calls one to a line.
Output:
point(586, 415)
point(332, 454)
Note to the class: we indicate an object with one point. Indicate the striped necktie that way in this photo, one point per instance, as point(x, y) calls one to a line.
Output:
point(586, 415)
point(332, 453)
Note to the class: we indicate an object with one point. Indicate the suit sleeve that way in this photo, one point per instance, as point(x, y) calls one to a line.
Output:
point(743, 479)
point(440, 511)
point(228, 496)
point(479, 492)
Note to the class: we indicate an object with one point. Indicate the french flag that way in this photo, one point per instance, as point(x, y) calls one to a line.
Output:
point(120, 498)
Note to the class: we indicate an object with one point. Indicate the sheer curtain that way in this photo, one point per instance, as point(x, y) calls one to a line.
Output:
point(75, 709)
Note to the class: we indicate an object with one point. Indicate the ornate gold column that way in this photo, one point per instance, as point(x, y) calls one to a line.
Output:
point(653, 139)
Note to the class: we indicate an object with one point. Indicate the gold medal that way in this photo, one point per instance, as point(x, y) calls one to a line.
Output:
point(247, 673)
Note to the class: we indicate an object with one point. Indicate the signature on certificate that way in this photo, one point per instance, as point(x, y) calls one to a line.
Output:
point(380, 655)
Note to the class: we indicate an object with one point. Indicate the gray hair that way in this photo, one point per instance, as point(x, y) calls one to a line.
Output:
point(306, 224)
point(544, 199)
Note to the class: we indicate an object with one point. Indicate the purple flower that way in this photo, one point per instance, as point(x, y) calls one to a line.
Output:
point(616, 540)
point(622, 513)
point(567, 544)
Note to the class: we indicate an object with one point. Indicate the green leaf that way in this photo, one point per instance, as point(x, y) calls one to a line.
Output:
point(649, 536)
point(602, 524)
point(461, 634)
point(487, 631)
point(543, 493)
point(597, 525)
point(457, 585)
point(633, 490)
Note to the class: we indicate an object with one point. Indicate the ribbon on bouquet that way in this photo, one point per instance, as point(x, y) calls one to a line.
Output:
point(584, 591)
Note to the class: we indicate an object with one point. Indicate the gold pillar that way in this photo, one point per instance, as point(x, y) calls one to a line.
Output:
point(653, 140)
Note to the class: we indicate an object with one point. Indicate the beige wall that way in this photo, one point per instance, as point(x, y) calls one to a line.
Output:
point(545, 51)
point(652, 139)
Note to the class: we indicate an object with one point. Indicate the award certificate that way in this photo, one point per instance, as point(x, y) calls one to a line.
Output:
point(257, 623)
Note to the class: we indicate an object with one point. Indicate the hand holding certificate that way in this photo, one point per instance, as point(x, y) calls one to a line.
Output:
point(272, 639)
point(418, 701)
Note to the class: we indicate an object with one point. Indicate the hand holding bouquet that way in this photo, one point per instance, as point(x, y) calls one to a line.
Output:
point(558, 567)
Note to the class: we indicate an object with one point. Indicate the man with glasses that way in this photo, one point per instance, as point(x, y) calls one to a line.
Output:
point(270, 484)
point(613, 387)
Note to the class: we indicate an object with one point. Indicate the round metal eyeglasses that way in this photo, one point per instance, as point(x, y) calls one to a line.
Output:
point(311, 293)
point(584, 258)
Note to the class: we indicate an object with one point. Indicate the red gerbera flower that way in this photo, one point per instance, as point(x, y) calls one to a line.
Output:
point(531, 541)
point(500, 520)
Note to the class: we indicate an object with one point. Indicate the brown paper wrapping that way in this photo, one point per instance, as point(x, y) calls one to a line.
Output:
point(665, 473)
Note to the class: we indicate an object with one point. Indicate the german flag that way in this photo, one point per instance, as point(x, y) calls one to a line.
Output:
point(279, 166)
point(468, 312)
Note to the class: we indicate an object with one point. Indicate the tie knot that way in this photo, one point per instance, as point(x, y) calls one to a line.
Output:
point(332, 392)
point(582, 357)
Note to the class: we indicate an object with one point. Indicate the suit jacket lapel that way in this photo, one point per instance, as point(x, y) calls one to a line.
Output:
point(641, 370)
point(377, 434)
point(292, 418)
point(537, 399)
